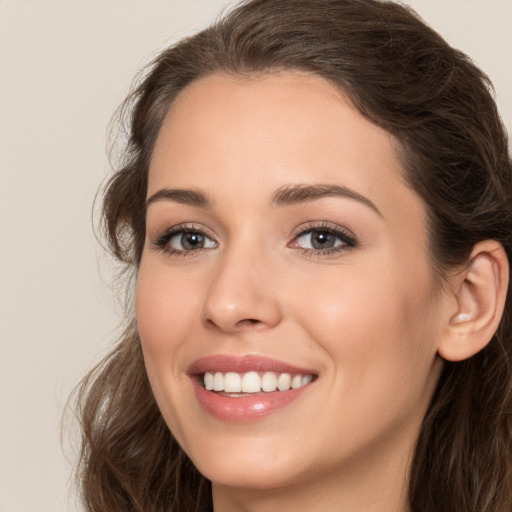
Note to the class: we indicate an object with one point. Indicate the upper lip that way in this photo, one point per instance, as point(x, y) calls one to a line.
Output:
point(241, 364)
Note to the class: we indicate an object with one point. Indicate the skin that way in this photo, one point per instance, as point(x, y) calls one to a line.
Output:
point(368, 318)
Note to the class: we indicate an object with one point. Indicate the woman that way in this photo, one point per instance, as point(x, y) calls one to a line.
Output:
point(316, 205)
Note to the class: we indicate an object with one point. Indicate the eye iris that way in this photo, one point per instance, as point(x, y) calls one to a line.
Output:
point(322, 240)
point(192, 240)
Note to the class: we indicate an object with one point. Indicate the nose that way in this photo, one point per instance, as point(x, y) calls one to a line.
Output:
point(242, 295)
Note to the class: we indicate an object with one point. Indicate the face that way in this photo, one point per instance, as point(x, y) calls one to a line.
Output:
point(287, 309)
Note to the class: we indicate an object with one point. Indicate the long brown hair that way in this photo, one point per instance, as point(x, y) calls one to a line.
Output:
point(404, 77)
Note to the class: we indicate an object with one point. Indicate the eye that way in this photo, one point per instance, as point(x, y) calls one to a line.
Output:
point(190, 241)
point(318, 240)
point(181, 240)
point(323, 240)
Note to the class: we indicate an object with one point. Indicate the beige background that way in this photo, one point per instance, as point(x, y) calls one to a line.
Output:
point(64, 67)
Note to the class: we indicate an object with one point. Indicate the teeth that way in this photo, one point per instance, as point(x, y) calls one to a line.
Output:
point(269, 381)
point(232, 383)
point(208, 381)
point(306, 379)
point(296, 381)
point(284, 382)
point(218, 382)
point(253, 382)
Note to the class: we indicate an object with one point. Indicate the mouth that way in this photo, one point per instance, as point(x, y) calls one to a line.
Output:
point(240, 389)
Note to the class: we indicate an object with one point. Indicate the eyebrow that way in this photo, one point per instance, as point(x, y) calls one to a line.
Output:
point(288, 195)
point(296, 194)
point(183, 196)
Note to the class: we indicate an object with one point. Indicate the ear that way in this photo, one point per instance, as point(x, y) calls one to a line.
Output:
point(480, 292)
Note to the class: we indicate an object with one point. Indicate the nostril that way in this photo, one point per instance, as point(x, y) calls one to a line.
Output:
point(248, 322)
point(240, 325)
point(210, 323)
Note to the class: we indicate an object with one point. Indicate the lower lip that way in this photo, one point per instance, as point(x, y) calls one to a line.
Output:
point(245, 408)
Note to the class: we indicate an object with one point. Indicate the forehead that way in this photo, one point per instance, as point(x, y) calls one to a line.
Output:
point(261, 132)
point(275, 111)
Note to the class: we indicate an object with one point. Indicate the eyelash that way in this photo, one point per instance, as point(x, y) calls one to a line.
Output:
point(348, 241)
point(162, 242)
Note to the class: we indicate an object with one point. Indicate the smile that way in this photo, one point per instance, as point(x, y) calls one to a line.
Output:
point(254, 382)
point(247, 388)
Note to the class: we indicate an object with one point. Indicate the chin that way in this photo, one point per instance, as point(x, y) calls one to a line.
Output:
point(254, 464)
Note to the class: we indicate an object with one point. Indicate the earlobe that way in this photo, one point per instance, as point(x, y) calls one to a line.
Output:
point(480, 299)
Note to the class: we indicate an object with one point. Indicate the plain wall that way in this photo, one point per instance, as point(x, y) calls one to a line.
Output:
point(65, 65)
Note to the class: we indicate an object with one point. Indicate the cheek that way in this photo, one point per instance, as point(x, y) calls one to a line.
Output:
point(166, 306)
point(378, 329)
